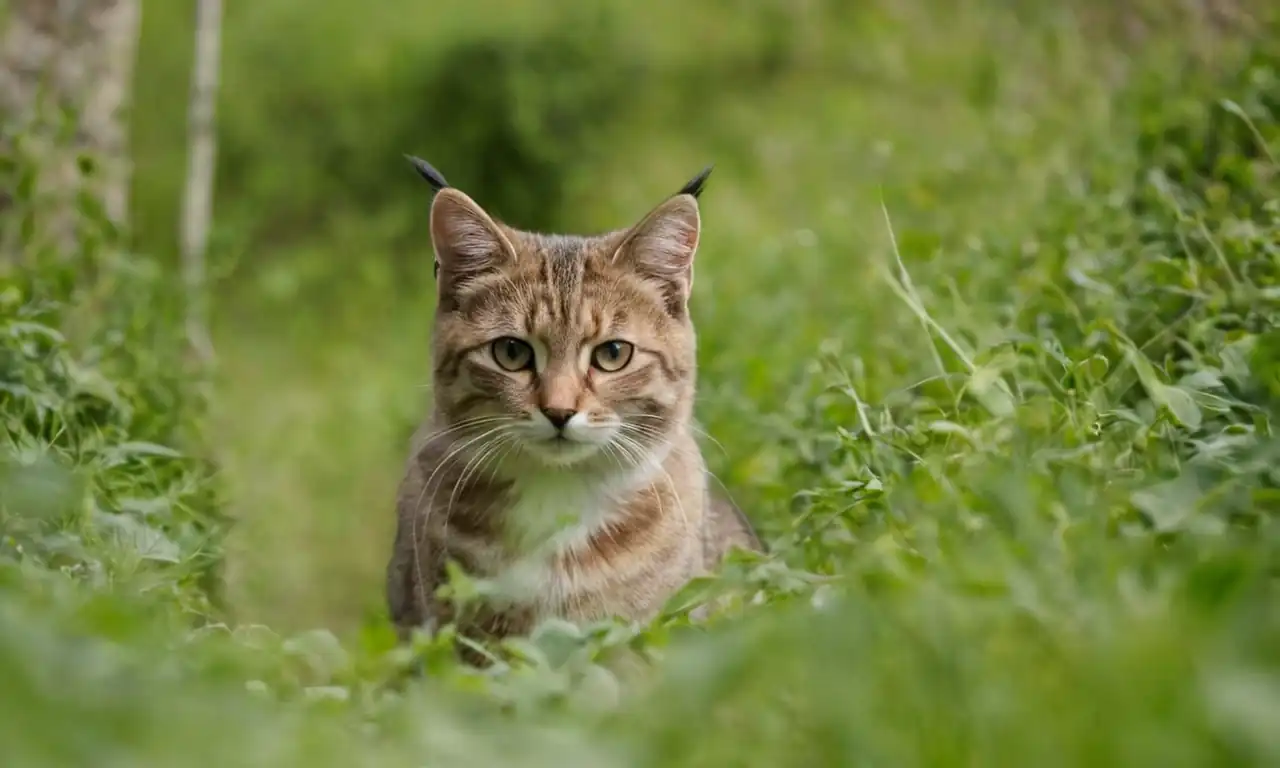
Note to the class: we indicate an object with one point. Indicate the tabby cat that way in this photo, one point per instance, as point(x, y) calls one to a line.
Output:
point(558, 461)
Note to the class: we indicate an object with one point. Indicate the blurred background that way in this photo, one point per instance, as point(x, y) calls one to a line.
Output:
point(988, 305)
point(571, 116)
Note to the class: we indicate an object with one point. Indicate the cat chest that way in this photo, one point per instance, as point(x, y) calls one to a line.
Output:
point(570, 553)
point(544, 526)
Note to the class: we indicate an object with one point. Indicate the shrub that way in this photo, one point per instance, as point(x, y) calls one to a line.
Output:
point(101, 470)
point(506, 116)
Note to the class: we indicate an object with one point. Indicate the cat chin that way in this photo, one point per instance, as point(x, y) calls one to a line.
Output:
point(562, 454)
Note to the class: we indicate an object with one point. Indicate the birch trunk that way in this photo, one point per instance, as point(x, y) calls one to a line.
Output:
point(66, 77)
point(197, 208)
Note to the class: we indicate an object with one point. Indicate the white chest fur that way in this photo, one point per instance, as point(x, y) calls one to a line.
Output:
point(551, 513)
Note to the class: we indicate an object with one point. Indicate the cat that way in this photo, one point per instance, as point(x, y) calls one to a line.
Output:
point(558, 462)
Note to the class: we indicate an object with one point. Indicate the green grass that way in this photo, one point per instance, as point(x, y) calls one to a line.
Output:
point(987, 308)
point(801, 170)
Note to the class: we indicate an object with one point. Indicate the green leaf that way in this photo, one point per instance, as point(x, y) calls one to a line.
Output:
point(120, 454)
point(1181, 404)
point(321, 651)
point(141, 539)
point(1178, 402)
point(1174, 505)
point(989, 389)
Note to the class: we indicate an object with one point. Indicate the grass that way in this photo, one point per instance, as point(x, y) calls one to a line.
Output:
point(780, 211)
point(988, 345)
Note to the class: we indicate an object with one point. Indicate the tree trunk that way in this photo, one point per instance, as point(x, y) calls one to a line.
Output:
point(197, 207)
point(66, 77)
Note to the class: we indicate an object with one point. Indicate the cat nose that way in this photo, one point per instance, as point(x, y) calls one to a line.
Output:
point(558, 416)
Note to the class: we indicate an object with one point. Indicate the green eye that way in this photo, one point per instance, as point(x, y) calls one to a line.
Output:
point(512, 354)
point(612, 355)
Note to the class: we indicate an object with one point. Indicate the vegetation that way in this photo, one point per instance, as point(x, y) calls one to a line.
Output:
point(988, 307)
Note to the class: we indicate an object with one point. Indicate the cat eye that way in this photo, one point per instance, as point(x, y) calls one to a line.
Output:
point(612, 355)
point(512, 354)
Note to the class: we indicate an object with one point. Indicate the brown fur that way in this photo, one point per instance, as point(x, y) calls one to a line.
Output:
point(489, 476)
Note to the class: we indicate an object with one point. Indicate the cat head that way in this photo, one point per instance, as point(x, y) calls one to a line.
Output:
point(564, 351)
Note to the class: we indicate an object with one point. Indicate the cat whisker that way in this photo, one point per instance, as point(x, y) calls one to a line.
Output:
point(486, 451)
point(417, 518)
point(639, 449)
point(612, 452)
point(690, 424)
point(622, 449)
point(454, 451)
point(684, 452)
point(453, 429)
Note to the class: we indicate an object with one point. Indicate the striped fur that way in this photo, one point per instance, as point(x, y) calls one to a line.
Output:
point(612, 515)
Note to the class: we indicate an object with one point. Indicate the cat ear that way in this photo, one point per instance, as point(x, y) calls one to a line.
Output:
point(661, 247)
point(467, 242)
point(437, 181)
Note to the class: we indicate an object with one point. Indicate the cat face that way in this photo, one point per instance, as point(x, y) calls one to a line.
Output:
point(564, 351)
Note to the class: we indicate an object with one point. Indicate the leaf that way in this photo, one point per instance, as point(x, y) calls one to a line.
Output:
point(38, 486)
point(1092, 368)
point(1177, 401)
point(1235, 109)
point(989, 389)
point(1169, 506)
point(90, 381)
point(146, 542)
point(527, 650)
point(695, 592)
point(119, 454)
point(19, 328)
point(256, 636)
point(597, 689)
point(1182, 405)
point(1236, 358)
point(557, 639)
point(944, 427)
point(320, 649)
point(1245, 703)
point(146, 449)
point(154, 507)
point(1206, 378)
point(335, 693)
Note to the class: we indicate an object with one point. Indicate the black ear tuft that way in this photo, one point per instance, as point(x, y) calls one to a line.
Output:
point(428, 172)
point(695, 185)
point(437, 182)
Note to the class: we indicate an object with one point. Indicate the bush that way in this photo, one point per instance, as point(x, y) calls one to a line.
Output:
point(101, 472)
point(506, 116)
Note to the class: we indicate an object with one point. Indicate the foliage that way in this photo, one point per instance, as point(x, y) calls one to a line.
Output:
point(1022, 499)
point(100, 475)
point(506, 116)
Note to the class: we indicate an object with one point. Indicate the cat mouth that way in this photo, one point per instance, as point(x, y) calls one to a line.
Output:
point(561, 450)
point(561, 443)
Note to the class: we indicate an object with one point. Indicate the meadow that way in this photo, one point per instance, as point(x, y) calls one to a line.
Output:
point(987, 303)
